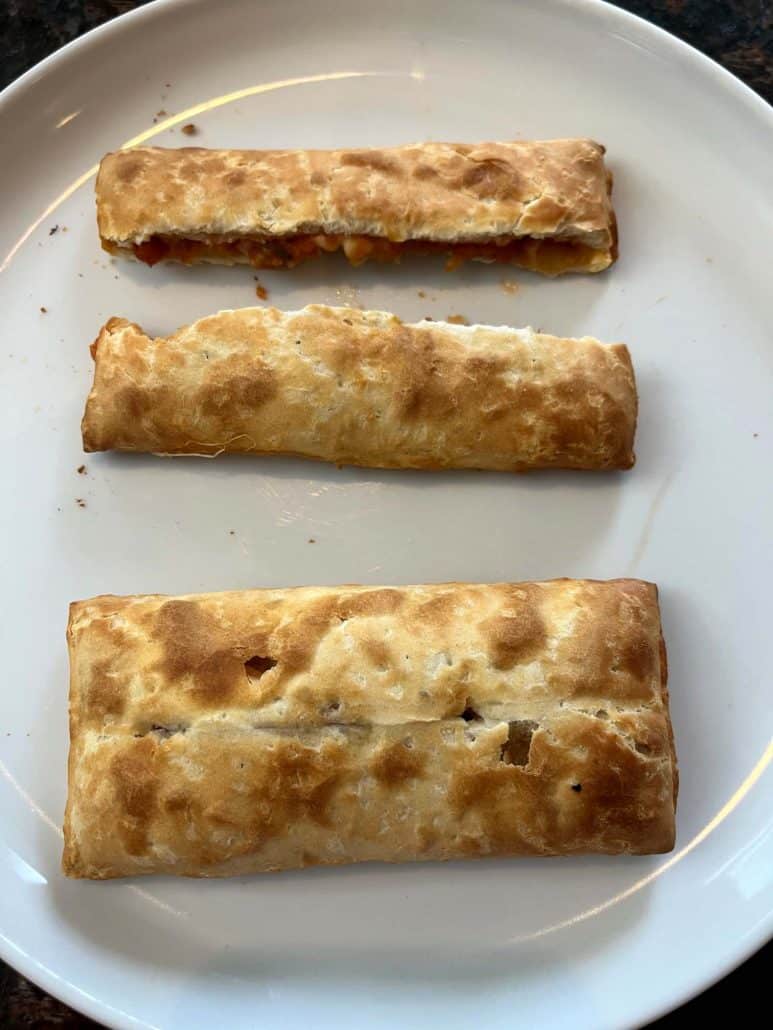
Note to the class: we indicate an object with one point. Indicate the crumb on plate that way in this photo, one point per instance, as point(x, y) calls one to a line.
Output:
point(457, 320)
point(189, 129)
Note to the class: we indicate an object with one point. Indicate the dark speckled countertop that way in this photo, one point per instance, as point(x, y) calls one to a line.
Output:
point(736, 33)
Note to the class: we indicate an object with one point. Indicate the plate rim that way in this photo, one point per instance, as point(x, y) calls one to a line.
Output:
point(673, 49)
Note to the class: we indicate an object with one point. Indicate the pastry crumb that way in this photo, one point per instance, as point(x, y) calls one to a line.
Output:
point(189, 129)
point(421, 293)
point(81, 470)
point(232, 532)
point(428, 318)
point(312, 540)
point(457, 320)
point(43, 310)
point(53, 229)
point(755, 435)
point(510, 286)
point(260, 290)
point(80, 502)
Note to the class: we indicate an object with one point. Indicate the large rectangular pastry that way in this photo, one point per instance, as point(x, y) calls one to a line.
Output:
point(224, 734)
point(363, 388)
point(542, 205)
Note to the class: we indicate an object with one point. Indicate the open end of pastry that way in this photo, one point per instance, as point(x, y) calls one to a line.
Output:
point(549, 256)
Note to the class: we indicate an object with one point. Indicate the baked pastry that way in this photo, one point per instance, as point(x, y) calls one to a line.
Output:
point(362, 388)
point(541, 205)
point(224, 734)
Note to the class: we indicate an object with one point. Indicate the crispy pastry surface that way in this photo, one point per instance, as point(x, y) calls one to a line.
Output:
point(363, 388)
point(546, 205)
point(221, 734)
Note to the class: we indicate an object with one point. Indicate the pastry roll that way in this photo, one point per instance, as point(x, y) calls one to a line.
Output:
point(224, 734)
point(362, 388)
point(544, 206)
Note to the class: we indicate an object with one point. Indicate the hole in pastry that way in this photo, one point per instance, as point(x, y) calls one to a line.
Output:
point(408, 742)
point(330, 710)
point(577, 787)
point(165, 731)
point(257, 665)
point(602, 713)
point(518, 745)
point(643, 749)
point(470, 715)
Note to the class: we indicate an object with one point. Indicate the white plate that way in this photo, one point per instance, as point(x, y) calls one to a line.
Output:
point(588, 943)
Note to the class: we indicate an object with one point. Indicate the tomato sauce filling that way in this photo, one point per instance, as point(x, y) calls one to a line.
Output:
point(285, 252)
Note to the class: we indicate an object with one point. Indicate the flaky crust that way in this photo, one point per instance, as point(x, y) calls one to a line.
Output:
point(222, 734)
point(440, 192)
point(363, 388)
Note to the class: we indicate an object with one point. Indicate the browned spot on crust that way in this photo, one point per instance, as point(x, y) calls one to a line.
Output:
point(197, 648)
point(301, 783)
point(376, 159)
point(298, 642)
point(131, 402)
point(518, 633)
point(128, 169)
point(135, 781)
point(236, 178)
point(371, 602)
point(612, 798)
point(106, 694)
point(423, 387)
point(181, 801)
point(613, 651)
point(503, 800)
point(396, 763)
point(239, 391)
point(377, 652)
point(423, 171)
point(439, 609)
point(638, 656)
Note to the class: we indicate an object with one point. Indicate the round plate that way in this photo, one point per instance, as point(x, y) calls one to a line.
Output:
point(589, 942)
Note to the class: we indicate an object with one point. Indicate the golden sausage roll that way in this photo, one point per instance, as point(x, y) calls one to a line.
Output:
point(541, 205)
point(363, 388)
point(224, 734)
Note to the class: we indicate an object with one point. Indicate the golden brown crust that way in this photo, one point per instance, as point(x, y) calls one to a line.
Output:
point(363, 388)
point(434, 192)
point(222, 734)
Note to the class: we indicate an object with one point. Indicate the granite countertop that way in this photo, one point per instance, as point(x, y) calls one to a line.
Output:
point(736, 33)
